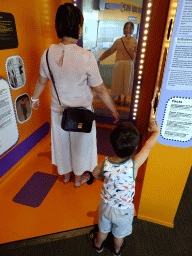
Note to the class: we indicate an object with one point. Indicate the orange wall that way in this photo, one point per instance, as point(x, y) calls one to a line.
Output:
point(165, 178)
point(35, 31)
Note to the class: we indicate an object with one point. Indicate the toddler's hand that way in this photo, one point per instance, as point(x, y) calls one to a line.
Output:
point(154, 127)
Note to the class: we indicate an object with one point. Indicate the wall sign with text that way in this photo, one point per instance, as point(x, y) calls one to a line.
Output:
point(8, 32)
point(174, 113)
point(8, 122)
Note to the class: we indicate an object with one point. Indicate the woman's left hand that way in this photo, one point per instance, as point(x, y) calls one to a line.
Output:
point(35, 104)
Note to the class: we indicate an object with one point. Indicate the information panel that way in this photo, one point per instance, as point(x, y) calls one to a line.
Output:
point(174, 112)
point(8, 123)
point(8, 33)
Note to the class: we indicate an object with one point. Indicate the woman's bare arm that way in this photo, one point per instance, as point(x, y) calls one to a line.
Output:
point(104, 96)
point(97, 172)
point(108, 52)
point(40, 84)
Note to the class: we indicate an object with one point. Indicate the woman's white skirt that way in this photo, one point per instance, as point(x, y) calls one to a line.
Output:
point(123, 74)
point(72, 151)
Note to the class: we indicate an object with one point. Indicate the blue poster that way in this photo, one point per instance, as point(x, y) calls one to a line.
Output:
point(174, 113)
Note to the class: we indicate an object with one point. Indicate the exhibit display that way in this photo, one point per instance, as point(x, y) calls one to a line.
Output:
point(8, 123)
point(26, 166)
point(175, 113)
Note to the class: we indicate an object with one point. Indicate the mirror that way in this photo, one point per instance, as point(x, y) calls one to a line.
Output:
point(101, 29)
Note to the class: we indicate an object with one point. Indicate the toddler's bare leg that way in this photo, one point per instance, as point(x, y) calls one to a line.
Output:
point(100, 238)
point(118, 243)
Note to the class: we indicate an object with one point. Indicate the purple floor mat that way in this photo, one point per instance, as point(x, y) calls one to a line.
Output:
point(103, 142)
point(36, 189)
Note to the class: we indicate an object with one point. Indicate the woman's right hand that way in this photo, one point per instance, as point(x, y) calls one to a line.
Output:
point(104, 96)
point(116, 116)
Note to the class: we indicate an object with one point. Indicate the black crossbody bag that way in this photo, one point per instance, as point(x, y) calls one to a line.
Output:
point(75, 119)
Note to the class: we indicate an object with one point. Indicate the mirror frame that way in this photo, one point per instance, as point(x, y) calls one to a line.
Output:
point(140, 58)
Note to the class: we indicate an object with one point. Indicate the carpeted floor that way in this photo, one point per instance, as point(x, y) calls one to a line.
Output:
point(147, 238)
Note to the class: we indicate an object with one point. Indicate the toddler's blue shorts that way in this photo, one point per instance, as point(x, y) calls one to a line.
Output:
point(119, 221)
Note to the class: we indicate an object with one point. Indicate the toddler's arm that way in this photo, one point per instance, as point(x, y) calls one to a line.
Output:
point(144, 153)
point(97, 172)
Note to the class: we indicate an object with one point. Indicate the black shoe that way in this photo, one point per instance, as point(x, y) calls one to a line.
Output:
point(119, 253)
point(118, 101)
point(92, 236)
point(90, 181)
point(126, 104)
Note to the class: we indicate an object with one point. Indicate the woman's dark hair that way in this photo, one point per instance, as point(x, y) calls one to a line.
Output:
point(124, 139)
point(69, 19)
point(129, 23)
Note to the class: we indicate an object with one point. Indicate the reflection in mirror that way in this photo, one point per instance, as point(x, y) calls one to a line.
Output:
point(23, 107)
point(103, 30)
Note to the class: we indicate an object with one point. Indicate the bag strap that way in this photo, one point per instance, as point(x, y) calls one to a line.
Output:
point(126, 49)
point(51, 75)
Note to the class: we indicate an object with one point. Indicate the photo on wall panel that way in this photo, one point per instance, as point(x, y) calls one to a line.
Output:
point(23, 108)
point(15, 72)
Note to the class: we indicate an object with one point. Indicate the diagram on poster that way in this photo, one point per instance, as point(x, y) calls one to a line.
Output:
point(15, 72)
point(177, 123)
point(9, 133)
point(23, 108)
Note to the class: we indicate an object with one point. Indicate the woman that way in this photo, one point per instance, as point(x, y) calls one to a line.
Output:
point(76, 76)
point(123, 71)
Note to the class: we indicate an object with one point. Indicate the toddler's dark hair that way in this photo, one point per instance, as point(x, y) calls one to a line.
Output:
point(68, 19)
point(124, 139)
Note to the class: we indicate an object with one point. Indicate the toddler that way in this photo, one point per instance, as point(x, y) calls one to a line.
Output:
point(118, 174)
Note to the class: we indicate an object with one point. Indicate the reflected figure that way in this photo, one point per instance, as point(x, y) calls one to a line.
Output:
point(123, 72)
point(24, 108)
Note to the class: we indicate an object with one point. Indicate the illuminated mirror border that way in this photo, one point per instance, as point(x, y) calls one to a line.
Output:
point(140, 58)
